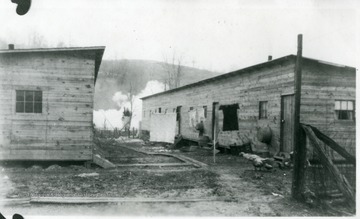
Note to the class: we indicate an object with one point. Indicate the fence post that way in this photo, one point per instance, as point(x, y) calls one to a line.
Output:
point(298, 181)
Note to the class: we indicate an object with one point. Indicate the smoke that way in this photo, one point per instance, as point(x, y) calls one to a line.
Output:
point(121, 100)
point(111, 119)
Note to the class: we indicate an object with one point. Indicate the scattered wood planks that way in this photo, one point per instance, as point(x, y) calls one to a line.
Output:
point(154, 164)
point(179, 157)
point(88, 200)
point(104, 163)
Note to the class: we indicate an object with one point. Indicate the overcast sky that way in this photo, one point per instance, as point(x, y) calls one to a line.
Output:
point(215, 35)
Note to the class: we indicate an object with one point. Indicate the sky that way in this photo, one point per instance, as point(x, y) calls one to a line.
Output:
point(215, 35)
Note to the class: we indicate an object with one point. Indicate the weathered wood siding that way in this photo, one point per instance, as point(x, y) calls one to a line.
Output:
point(245, 89)
point(63, 131)
point(321, 86)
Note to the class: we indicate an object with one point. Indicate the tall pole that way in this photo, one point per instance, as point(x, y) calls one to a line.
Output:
point(299, 137)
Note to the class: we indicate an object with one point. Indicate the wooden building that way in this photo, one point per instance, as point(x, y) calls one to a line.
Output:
point(46, 110)
point(252, 102)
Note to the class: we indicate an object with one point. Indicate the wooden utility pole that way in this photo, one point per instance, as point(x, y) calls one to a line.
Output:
point(299, 136)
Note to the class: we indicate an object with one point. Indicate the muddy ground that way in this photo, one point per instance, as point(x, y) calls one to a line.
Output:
point(229, 187)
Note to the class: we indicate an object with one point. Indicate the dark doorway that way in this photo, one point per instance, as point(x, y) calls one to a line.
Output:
point(178, 119)
point(215, 126)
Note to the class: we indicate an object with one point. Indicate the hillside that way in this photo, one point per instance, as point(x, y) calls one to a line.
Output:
point(116, 75)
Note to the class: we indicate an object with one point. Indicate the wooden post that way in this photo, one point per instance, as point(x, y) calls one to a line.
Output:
point(298, 180)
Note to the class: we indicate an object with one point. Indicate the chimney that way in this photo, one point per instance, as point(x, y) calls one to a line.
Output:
point(269, 58)
point(11, 46)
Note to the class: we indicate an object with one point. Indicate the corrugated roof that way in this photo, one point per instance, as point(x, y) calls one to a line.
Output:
point(99, 51)
point(244, 70)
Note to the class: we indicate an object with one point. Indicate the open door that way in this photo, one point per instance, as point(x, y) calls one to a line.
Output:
point(287, 123)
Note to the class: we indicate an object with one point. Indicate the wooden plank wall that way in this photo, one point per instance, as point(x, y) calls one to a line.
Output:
point(266, 84)
point(322, 85)
point(63, 131)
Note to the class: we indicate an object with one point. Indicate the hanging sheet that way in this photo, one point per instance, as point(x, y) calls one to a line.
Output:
point(162, 127)
point(195, 116)
point(192, 118)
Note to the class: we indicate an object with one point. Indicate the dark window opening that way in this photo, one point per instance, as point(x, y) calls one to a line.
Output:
point(345, 109)
point(191, 108)
point(178, 113)
point(28, 101)
point(263, 110)
point(230, 121)
point(159, 109)
point(205, 111)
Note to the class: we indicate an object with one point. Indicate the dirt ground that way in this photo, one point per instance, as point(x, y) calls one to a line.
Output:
point(228, 187)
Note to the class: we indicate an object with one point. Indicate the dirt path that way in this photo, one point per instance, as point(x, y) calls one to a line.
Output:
point(244, 192)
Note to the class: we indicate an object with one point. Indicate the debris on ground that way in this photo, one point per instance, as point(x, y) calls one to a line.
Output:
point(88, 174)
point(277, 195)
point(36, 167)
point(263, 193)
point(53, 167)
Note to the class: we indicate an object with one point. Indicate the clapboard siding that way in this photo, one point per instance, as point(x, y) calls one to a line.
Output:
point(63, 131)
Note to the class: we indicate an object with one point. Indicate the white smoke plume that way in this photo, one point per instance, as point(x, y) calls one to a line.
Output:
point(111, 118)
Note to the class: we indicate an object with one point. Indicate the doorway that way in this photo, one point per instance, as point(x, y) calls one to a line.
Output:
point(287, 123)
point(178, 119)
point(215, 126)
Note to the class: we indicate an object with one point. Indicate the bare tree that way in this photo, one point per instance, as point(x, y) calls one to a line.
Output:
point(131, 82)
point(174, 70)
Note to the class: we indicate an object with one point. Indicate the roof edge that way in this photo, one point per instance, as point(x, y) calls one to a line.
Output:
point(55, 49)
point(260, 65)
point(229, 74)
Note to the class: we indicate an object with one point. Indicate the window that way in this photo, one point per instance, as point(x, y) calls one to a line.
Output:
point(28, 101)
point(263, 109)
point(159, 109)
point(344, 109)
point(230, 121)
point(191, 108)
point(205, 111)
